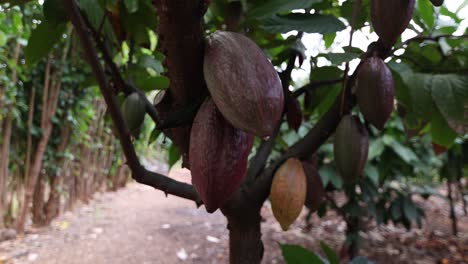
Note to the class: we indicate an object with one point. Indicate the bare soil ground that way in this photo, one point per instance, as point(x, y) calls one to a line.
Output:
point(140, 225)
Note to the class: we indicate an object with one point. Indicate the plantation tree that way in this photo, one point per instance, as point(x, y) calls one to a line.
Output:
point(56, 145)
point(167, 49)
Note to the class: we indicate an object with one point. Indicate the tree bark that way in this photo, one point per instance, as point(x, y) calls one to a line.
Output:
point(245, 237)
point(38, 215)
point(4, 162)
point(453, 215)
point(5, 152)
point(51, 209)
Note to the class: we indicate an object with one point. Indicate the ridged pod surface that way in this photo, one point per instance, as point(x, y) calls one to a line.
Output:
point(375, 91)
point(218, 156)
point(133, 111)
point(350, 148)
point(390, 18)
point(243, 83)
point(288, 192)
point(315, 189)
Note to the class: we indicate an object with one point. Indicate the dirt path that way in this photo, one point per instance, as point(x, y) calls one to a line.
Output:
point(140, 225)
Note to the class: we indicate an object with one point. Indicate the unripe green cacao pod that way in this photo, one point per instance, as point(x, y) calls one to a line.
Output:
point(375, 91)
point(390, 18)
point(315, 189)
point(243, 83)
point(133, 111)
point(218, 156)
point(288, 192)
point(294, 114)
point(437, 2)
point(350, 148)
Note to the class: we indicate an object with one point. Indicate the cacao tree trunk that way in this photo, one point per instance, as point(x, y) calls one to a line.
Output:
point(245, 242)
point(453, 215)
point(38, 215)
point(4, 162)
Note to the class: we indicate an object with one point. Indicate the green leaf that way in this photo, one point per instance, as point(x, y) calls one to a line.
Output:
point(340, 58)
point(54, 11)
point(154, 135)
point(42, 40)
point(298, 255)
point(95, 14)
point(426, 12)
point(450, 94)
point(395, 210)
point(409, 209)
point(329, 174)
point(376, 148)
point(174, 155)
point(372, 173)
point(405, 153)
point(330, 253)
point(3, 39)
point(148, 61)
point(361, 260)
point(272, 7)
point(441, 132)
point(131, 5)
point(421, 98)
point(329, 39)
point(309, 23)
point(150, 83)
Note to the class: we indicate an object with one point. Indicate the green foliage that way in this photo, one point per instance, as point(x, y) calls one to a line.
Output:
point(294, 254)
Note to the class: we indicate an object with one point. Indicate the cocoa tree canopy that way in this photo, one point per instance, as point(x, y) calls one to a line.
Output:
point(213, 75)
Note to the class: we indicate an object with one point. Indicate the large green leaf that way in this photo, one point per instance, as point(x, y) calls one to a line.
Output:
point(441, 132)
point(450, 94)
point(42, 40)
point(420, 92)
point(309, 23)
point(426, 12)
point(271, 7)
point(298, 255)
point(331, 254)
point(54, 11)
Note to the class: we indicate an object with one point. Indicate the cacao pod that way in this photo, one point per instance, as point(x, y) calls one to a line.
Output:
point(218, 156)
point(375, 92)
point(315, 189)
point(288, 192)
point(390, 18)
point(294, 113)
point(351, 144)
point(133, 111)
point(243, 83)
point(437, 2)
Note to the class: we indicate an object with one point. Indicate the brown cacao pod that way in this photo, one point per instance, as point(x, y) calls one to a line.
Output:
point(218, 156)
point(243, 83)
point(375, 91)
point(288, 192)
point(351, 144)
point(294, 113)
point(437, 2)
point(315, 189)
point(390, 18)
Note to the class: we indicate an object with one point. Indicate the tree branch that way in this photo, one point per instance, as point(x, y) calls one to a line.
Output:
point(311, 86)
point(139, 173)
point(424, 38)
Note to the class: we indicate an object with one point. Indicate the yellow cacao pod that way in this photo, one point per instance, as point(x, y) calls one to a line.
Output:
point(288, 192)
